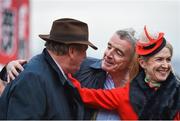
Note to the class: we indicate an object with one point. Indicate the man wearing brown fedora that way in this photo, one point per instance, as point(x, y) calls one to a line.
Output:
point(110, 72)
point(42, 90)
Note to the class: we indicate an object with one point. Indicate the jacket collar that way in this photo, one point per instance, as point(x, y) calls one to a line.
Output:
point(97, 64)
point(54, 66)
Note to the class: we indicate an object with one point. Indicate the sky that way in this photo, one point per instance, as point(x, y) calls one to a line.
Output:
point(104, 17)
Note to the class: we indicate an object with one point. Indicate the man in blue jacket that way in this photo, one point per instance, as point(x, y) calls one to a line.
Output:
point(113, 71)
point(42, 90)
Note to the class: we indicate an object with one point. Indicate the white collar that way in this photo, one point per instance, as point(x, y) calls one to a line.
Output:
point(59, 68)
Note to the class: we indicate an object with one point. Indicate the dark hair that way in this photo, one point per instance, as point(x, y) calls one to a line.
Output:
point(57, 48)
point(61, 48)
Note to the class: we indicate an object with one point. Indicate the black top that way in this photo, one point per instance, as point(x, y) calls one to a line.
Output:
point(152, 104)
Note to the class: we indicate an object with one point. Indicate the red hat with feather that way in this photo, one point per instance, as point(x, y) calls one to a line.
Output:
point(152, 47)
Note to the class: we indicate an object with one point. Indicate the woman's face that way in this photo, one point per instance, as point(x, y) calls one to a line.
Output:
point(158, 67)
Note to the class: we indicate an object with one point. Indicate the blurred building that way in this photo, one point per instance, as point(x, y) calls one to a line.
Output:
point(14, 30)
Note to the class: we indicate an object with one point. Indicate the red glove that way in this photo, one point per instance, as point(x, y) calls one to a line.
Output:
point(75, 82)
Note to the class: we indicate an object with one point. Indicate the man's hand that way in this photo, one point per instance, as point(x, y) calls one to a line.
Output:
point(13, 69)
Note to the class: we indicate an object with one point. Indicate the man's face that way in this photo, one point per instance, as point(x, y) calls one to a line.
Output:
point(158, 67)
point(117, 55)
point(78, 56)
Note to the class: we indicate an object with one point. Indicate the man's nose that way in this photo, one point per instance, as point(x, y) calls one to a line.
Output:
point(110, 53)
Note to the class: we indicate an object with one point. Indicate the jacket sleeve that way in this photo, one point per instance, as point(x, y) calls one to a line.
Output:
point(177, 116)
point(26, 98)
point(99, 98)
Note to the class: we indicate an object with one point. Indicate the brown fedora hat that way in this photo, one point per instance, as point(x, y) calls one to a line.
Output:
point(68, 31)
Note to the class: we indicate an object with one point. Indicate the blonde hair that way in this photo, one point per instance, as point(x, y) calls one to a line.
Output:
point(134, 67)
point(170, 47)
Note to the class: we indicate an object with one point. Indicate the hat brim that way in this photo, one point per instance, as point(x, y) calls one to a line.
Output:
point(47, 38)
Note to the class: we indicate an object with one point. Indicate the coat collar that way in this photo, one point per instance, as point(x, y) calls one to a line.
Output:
point(54, 66)
point(150, 104)
point(97, 64)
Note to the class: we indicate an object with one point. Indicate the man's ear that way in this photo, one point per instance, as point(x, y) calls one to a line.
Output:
point(71, 52)
point(142, 62)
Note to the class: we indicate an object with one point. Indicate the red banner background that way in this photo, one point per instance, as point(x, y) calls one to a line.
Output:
point(14, 30)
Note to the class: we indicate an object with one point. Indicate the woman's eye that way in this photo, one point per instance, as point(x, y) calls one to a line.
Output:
point(168, 59)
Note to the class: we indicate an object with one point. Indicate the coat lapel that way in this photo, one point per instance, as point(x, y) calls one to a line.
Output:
point(71, 92)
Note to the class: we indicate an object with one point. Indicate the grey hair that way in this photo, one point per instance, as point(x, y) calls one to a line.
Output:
point(128, 36)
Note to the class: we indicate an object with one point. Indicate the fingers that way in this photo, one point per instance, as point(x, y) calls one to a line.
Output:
point(18, 66)
point(22, 61)
point(14, 68)
point(8, 79)
point(11, 76)
point(14, 71)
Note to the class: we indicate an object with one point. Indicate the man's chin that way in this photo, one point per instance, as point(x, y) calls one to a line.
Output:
point(107, 69)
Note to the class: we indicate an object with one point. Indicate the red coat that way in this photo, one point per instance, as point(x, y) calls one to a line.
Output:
point(114, 99)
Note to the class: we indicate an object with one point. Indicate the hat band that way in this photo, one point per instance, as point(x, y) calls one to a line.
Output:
point(163, 44)
point(69, 37)
point(149, 46)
